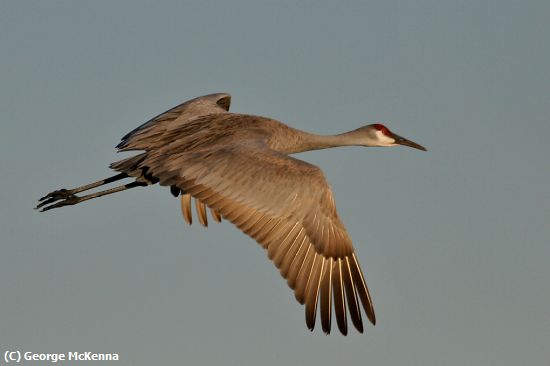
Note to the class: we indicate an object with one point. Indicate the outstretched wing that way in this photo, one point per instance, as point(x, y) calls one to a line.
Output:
point(150, 134)
point(286, 205)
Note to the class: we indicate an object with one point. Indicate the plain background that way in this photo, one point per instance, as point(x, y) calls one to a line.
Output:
point(454, 242)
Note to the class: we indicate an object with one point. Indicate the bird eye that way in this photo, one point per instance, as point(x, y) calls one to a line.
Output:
point(382, 128)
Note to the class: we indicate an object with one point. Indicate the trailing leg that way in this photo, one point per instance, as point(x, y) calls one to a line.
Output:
point(65, 193)
point(72, 199)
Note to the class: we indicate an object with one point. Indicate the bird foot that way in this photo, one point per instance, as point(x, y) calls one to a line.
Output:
point(66, 196)
point(57, 195)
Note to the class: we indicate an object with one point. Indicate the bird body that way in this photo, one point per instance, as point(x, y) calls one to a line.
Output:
point(239, 166)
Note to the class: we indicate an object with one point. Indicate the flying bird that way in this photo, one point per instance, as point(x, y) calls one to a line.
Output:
point(239, 167)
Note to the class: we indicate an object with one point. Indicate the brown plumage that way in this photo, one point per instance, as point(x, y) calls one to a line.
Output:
point(239, 167)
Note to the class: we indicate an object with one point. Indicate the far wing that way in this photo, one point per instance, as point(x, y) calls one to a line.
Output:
point(150, 133)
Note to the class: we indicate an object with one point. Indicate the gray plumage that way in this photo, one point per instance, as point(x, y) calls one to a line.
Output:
point(239, 166)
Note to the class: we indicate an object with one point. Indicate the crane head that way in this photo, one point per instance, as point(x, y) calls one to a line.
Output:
point(380, 135)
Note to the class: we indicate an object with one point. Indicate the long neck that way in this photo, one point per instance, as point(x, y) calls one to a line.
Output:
point(307, 141)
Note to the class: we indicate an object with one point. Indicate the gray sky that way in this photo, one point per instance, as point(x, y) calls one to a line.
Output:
point(454, 242)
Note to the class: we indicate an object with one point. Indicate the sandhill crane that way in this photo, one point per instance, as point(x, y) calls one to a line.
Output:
point(239, 166)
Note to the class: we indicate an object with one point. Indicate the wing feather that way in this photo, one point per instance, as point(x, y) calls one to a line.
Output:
point(326, 296)
point(201, 212)
point(291, 240)
point(292, 254)
point(215, 215)
point(353, 303)
point(304, 274)
point(186, 208)
point(339, 297)
point(296, 264)
point(312, 290)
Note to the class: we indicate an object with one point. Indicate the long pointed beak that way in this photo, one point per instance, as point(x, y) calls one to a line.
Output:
point(403, 141)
